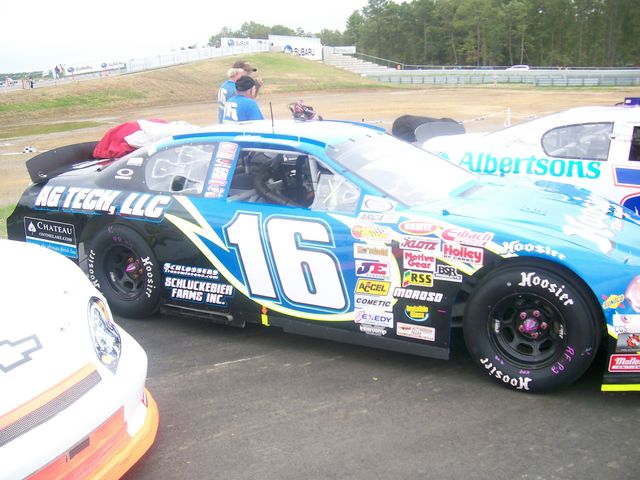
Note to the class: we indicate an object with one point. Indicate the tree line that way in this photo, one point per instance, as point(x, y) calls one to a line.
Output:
point(543, 33)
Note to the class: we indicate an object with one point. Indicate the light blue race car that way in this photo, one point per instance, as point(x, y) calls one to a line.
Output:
point(341, 231)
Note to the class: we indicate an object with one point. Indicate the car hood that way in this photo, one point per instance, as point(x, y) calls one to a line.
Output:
point(541, 210)
point(44, 334)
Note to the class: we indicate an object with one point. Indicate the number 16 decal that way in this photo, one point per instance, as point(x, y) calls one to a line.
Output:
point(291, 256)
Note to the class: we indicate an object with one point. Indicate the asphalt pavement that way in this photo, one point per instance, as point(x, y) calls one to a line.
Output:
point(257, 403)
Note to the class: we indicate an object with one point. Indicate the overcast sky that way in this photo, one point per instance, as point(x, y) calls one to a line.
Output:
point(39, 34)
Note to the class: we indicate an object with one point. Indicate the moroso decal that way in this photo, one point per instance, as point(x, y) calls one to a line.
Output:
point(423, 295)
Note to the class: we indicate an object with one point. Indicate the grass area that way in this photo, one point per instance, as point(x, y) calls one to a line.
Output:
point(26, 112)
point(4, 214)
point(43, 129)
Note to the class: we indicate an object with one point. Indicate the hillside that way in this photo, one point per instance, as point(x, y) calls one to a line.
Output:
point(28, 111)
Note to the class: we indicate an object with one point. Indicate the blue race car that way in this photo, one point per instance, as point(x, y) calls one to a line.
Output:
point(341, 231)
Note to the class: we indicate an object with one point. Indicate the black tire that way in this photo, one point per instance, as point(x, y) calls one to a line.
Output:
point(532, 327)
point(123, 267)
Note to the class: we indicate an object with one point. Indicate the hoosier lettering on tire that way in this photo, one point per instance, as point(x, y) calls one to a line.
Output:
point(532, 327)
point(122, 265)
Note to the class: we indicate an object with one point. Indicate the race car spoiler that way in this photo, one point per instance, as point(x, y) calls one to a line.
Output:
point(48, 164)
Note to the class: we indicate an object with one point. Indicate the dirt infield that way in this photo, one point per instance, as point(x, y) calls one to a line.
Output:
point(481, 109)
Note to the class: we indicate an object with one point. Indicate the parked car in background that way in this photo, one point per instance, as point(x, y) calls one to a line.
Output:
point(73, 401)
point(519, 67)
point(597, 148)
point(342, 231)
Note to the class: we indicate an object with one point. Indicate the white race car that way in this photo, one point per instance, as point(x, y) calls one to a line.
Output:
point(597, 148)
point(73, 402)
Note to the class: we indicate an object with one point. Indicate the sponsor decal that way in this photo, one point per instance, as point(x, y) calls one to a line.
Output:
point(417, 313)
point(624, 363)
point(188, 271)
point(198, 291)
point(217, 182)
point(628, 343)
point(383, 304)
point(16, 353)
point(417, 227)
point(467, 237)
point(370, 232)
point(626, 323)
point(632, 293)
point(420, 279)
point(447, 273)
point(373, 330)
point(613, 302)
point(371, 252)
point(97, 200)
point(485, 162)
point(135, 161)
point(463, 253)
point(592, 224)
point(515, 247)
point(416, 331)
point(372, 287)
point(519, 383)
point(382, 319)
point(422, 295)
point(377, 204)
point(419, 243)
point(376, 217)
point(57, 236)
point(532, 279)
point(372, 269)
point(418, 261)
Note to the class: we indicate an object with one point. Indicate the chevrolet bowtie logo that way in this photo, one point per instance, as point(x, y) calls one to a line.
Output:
point(14, 354)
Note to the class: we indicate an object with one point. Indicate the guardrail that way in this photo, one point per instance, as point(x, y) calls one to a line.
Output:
point(537, 77)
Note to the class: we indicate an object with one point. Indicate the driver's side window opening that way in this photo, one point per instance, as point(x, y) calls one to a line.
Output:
point(634, 151)
point(587, 141)
point(292, 179)
point(180, 169)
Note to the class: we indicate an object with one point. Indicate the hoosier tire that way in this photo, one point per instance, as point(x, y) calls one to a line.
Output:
point(123, 267)
point(531, 327)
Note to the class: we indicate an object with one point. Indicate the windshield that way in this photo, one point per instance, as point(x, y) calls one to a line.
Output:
point(401, 170)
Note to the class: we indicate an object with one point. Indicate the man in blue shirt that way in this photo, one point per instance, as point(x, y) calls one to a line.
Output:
point(228, 89)
point(243, 106)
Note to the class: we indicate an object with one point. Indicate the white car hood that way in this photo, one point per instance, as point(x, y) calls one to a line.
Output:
point(44, 334)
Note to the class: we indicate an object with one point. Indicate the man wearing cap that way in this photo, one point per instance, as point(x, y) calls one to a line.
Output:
point(248, 70)
point(228, 89)
point(243, 106)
